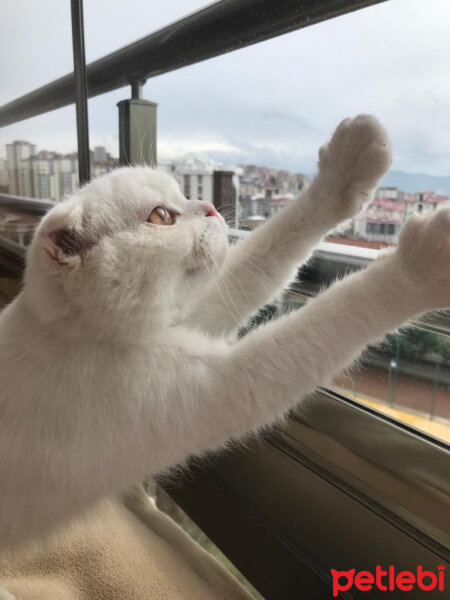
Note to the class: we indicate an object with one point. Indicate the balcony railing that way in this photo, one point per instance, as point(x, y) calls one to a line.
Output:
point(341, 486)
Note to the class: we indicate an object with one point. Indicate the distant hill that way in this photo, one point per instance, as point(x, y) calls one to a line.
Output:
point(415, 182)
point(407, 182)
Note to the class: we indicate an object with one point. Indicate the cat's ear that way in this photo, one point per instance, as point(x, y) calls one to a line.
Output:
point(62, 236)
point(63, 245)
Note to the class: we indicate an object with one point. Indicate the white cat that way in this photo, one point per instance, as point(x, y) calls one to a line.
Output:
point(120, 357)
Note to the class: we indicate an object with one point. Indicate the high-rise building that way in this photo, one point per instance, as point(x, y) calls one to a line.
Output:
point(54, 175)
point(4, 177)
point(19, 172)
point(47, 174)
point(100, 155)
point(41, 174)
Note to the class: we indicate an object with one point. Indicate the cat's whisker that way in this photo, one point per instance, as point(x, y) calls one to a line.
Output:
point(224, 270)
point(228, 284)
point(230, 272)
point(259, 260)
point(220, 273)
point(153, 163)
point(141, 142)
point(124, 149)
point(252, 272)
point(217, 284)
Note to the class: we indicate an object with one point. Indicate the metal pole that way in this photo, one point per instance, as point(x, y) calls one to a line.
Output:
point(79, 64)
point(357, 380)
point(137, 128)
point(393, 372)
point(136, 89)
point(435, 389)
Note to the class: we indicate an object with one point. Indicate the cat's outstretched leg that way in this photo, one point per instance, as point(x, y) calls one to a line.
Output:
point(257, 269)
point(275, 366)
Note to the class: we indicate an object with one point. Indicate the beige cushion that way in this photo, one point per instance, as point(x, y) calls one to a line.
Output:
point(119, 552)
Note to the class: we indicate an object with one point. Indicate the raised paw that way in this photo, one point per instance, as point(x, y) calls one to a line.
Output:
point(424, 251)
point(352, 163)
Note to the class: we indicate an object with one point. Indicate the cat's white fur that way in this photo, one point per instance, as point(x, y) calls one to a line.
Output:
point(120, 358)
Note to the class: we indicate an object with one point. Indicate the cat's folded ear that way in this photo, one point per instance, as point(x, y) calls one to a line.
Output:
point(63, 237)
point(62, 245)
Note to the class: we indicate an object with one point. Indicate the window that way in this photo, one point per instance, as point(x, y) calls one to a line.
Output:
point(364, 460)
point(408, 378)
point(187, 186)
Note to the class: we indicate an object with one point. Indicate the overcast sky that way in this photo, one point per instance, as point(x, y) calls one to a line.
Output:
point(271, 104)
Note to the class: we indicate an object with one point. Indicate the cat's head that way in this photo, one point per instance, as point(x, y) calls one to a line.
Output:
point(126, 246)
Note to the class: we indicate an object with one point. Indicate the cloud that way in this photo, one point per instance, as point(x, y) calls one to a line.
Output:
point(273, 103)
point(173, 148)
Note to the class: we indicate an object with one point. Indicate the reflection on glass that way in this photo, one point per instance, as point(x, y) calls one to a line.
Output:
point(408, 378)
point(17, 227)
point(9, 288)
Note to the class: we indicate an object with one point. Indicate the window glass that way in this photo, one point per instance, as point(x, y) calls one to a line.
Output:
point(408, 378)
point(251, 122)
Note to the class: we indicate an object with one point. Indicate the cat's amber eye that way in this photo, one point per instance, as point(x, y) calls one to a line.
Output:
point(161, 216)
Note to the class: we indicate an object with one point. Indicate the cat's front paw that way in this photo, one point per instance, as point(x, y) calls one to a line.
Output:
point(424, 252)
point(352, 163)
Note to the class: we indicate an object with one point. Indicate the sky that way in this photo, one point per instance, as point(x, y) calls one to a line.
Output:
point(271, 104)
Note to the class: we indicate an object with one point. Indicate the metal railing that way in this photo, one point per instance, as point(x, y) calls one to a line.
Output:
point(216, 29)
point(282, 509)
point(25, 206)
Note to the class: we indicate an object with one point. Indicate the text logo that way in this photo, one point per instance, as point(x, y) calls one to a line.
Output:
point(388, 579)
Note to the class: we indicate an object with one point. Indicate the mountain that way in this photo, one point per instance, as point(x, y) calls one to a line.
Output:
point(416, 182)
point(407, 182)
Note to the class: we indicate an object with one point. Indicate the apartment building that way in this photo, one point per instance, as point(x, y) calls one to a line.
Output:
point(205, 179)
point(384, 217)
point(17, 155)
point(47, 174)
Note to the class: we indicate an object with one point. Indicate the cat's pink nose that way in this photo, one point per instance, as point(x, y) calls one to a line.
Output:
point(210, 211)
point(199, 207)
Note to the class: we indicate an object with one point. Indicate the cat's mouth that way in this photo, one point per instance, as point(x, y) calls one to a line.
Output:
point(206, 258)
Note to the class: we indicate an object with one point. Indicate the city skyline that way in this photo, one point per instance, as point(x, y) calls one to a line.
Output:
point(409, 182)
point(46, 174)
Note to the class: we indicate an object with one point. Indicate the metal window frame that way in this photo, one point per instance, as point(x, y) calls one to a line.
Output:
point(288, 508)
point(339, 484)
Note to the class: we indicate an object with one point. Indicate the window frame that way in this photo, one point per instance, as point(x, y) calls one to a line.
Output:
point(284, 507)
point(308, 498)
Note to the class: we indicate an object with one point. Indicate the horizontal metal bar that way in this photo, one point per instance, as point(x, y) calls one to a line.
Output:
point(216, 29)
point(12, 258)
point(24, 205)
point(403, 470)
point(358, 253)
point(340, 254)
